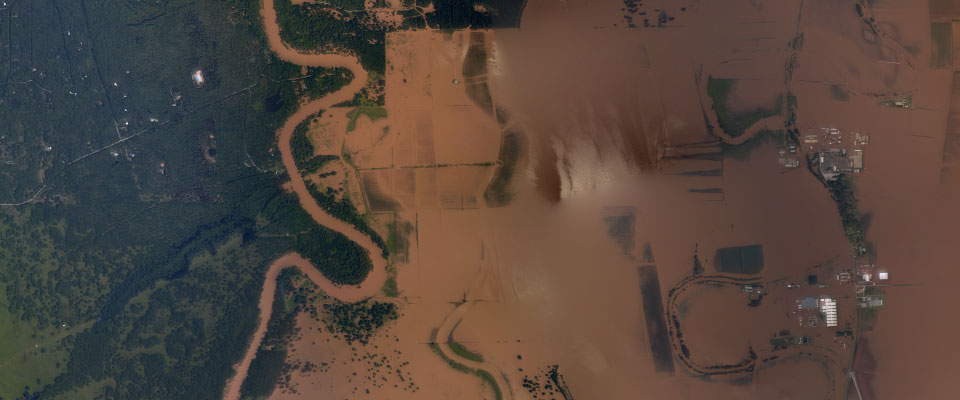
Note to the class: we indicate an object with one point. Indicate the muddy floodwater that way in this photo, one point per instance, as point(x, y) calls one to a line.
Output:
point(558, 194)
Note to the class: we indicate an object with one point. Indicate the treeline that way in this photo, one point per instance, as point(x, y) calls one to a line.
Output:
point(339, 259)
point(357, 321)
point(203, 315)
point(463, 14)
point(313, 26)
point(344, 210)
point(842, 192)
point(322, 81)
point(270, 362)
point(368, 108)
point(180, 341)
point(162, 271)
point(316, 163)
point(302, 149)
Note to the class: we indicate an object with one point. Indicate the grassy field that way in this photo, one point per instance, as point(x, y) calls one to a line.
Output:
point(29, 358)
point(372, 111)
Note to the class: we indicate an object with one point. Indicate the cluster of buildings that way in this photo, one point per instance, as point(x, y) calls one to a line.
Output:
point(837, 152)
point(755, 294)
point(788, 157)
point(835, 162)
point(835, 155)
point(868, 295)
point(868, 274)
point(905, 102)
point(815, 311)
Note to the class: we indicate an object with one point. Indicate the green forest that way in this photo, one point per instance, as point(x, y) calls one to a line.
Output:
point(332, 26)
point(344, 210)
point(319, 81)
point(270, 362)
point(302, 149)
point(346, 25)
point(135, 270)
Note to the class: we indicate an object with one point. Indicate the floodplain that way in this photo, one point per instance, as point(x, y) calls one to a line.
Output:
point(575, 199)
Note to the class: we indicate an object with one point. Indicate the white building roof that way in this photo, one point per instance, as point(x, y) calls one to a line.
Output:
point(828, 307)
point(198, 77)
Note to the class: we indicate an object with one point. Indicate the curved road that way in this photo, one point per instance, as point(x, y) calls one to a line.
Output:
point(378, 274)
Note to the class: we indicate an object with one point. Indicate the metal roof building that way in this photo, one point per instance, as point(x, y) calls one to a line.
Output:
point(828, 307)
point(808, 303)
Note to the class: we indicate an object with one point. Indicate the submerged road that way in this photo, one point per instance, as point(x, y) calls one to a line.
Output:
point(374, 281)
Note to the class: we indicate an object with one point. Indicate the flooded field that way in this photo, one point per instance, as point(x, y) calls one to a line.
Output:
point(542, 169)
point(654, 320)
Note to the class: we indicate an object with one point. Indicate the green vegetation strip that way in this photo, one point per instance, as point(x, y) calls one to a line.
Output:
point(340, 259)
point(390, 288)
point(843, 193)
point(268, 365)
point(302, 148)
point(316, 25)
point(321, 81)
point(488, 379)
point(344, 210)
point(373, 111)
point(485, 376)
point(435, 347)
point(461, 351)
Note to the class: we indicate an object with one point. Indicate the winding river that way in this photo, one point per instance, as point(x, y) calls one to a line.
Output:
point(374, 281)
